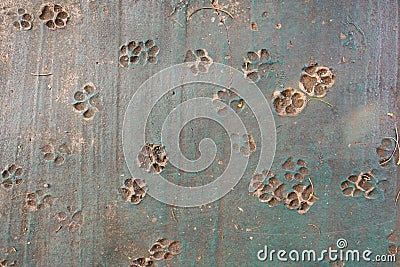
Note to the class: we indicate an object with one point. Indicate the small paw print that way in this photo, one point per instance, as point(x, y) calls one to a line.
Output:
point(385, 151)
point(38, 200)
point(244, 144)
point(290, 102)
point(316, 80)
point(152, 158)
point(24, 19)
point(198, 61)
point(143, 262)
point(269, 191)
point(295, 170)
point(134, 190)
point(11, 176)
point(56, 156)
point(72, 219)
point(362, 185)
point(53, 16)
point(87, 101)
point(301, 198)
point(164, 249)
point(138, 53)
point(231, 99)
point(257, 64)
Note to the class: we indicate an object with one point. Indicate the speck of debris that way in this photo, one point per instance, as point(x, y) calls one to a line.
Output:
point(254, 26)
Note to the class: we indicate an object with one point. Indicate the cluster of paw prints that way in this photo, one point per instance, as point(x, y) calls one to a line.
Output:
point(55, 156)
point(134, 190)
point(86, 101)
point(228, 98)
point(314, 82)
point(11, 176)
point(53, 16)
point(38, 200)
point(162, 249)
point(152, 158)
point(362, 185)
point(257, 64)
point(138, 53)
point(198, 61)
point(270, 190)
point(70, 220)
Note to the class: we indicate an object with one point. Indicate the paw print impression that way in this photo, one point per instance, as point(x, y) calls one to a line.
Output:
point(143, 262)
point(55, 156)
point(301, 198)
point(134, 190)
point(133, 53)
point(24, 19)
point(231, 99)
point(295, 170)
point(244, 144)
point(316, 80)
point(269, 189)
point(362, 185)
point(198, 61)
point(152, 158)
point(289, 102)
point(257, 64)
point(164, 249)
point(38, 200)
point(71, 220)
point(11, 176)
point(54, 16)
point(87, 101)
point(386, 151)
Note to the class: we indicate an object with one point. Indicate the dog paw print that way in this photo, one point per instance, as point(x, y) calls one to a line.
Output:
point(86, 101)
point(11, 176)
point(56, 156)
point(198, 61)
point(23, 19)
point(257, 64)
point(164, 249)
point(289, 102)
point(270, 191)
point(244, 144)
point(71, 220)
point(38, 200)
point(295, 169)
point(54, 16)
point(143, 262)
point(152, 158)
point(141, 53)
point(301, 198)
point(229, 98)
point(362, 185)
point(385, 151)
point(134, 190)
point(316, 80)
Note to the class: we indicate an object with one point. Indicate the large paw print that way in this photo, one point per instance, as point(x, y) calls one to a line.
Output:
point(53, 16)
point(362, 185)
point(231, 99)
point(134, 190)
point(198, 61)
point(295, 170)
point(301, 198)
point(138, 53)
point(24, 19)
point(257, 64)
point(143, 262)
point(164, 249)
point(11, 176)
point(56, 156)
point(271, 192)
point(315, 80)
point(244, 144)
point(72, 219)
point(86, 101)
point(152, 158)
point(289, 102)
point(38, 200)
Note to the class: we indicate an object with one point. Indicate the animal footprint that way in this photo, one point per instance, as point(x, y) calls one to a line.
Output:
point(52, 155)
point(231, 99)
point(72, 219)
point(301, 198)
point(134, 190)
point(152, 158)
point(38, 200)
point(24, 19)
point(54, 16)
point(87, 101)
point(295, 170)
point(362, 185)
point(198, 61)
point(11, 176)
point(244, 144)
point(143, 262)
point(316, 80)
point(290, 102)
point(138, 53)
point(270, 191)
point(164, 249)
